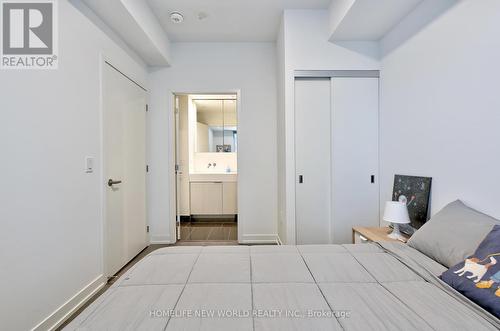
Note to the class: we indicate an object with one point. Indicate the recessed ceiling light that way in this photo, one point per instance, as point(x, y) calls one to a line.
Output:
point(176, 17)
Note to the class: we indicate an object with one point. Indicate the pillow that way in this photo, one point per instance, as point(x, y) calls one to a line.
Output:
point(452, 234)
point(478, 277)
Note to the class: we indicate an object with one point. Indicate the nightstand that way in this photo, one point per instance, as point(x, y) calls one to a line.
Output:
point(363, 235)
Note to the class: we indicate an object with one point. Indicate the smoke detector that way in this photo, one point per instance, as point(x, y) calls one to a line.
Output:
point(202, 16)
point(176, 17)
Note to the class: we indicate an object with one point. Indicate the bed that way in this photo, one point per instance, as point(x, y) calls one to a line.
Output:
point(374, 286)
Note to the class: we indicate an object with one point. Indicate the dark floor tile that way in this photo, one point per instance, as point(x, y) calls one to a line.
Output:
point(209, 231)
point(233, 234)
point(217, 234)
point(185, 232)
point(200, 232)
point(230, 232)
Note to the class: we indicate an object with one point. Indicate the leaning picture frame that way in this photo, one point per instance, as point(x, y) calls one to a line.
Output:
point(414, 191)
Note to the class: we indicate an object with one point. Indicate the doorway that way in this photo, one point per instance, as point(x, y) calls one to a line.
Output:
point(206, 167)
point(124, 168)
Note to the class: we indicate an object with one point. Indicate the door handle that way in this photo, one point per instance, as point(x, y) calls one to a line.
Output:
point(113, 182)
point(301, 179)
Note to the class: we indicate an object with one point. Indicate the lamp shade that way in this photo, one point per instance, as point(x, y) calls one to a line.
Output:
point(396, 212)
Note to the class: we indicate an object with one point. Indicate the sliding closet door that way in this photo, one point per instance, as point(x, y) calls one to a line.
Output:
point(355, 194)
point(312, 155)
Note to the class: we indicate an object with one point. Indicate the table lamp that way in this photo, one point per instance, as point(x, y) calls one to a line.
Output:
point(397, 213)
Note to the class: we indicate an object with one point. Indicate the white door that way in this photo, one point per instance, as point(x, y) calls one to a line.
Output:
point(182, 155)
point(124, 128)
point(178, 171)
point(312, 160)
point(355, 155)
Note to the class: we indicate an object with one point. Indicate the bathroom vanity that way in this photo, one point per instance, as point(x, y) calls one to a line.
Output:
point(213, 194)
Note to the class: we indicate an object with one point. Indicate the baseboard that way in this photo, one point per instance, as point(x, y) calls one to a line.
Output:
point(160, 240)
point(259, 239)
point(69, 307)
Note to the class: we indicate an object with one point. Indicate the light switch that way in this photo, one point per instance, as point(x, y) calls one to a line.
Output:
point(89, 164)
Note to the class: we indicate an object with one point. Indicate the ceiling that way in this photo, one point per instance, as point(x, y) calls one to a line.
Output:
point(227, 20)
point(134, 22)
point(146, 28)
point(372, 19)
point(215, 106)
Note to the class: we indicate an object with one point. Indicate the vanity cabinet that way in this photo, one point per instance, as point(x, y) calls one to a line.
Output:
point(214, 198)
point(206, 198)
point(229, 198)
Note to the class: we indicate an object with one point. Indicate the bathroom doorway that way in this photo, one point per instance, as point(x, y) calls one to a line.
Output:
point(206, 167)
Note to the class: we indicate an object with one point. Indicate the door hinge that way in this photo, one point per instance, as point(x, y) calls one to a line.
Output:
point(147, 107)
point(147, 228)
point(176, 167)
point(147, 167)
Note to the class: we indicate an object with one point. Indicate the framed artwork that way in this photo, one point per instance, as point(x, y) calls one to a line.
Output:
point(415, 192)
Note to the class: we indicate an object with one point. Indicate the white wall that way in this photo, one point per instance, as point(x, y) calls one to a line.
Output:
point(50, 237)
point(280, 129)
point(219, 67)
point(440, 107)
point(306, 47)
point(222, 161)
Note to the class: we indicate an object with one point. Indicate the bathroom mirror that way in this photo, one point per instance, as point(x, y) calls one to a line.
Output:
point(216, 126)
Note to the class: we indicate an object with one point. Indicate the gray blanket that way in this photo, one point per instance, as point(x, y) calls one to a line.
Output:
point(311, 287)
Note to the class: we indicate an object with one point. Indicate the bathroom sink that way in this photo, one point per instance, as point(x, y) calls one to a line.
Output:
point(213, 177)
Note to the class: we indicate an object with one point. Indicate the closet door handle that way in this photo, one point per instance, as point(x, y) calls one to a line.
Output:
point(301, 179)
